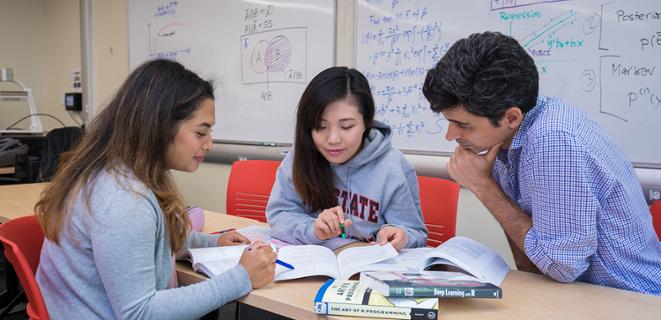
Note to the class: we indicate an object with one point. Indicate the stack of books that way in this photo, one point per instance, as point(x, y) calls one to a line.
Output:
point(353, 298)
point(414, 293)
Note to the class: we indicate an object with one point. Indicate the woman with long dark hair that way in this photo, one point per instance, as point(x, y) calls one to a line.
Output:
point(343, 176)
point(113, 217)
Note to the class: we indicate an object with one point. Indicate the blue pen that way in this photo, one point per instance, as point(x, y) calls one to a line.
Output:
point(278, 261)
point(284, 264)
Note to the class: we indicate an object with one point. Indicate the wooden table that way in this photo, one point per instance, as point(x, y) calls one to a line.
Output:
point(17, 200)
point(7, 170)
point(525, 295)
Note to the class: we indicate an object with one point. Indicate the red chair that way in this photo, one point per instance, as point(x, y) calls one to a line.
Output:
point(655, 209)
point(249, 187)
point(438, 199)
point(22, 238)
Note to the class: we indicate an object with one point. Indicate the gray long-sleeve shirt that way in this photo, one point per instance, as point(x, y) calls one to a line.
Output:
point(116, 262)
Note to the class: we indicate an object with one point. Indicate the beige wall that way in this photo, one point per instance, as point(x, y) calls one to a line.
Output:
point(61, 54)
point(41, 43)
point(110, 49)
point(22, 49)
point(205, 187)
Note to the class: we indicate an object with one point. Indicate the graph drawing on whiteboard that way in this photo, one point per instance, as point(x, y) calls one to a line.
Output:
point(164, 41)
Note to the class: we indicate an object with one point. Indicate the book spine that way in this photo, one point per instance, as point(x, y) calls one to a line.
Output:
point(436, 292)
point(344, 309)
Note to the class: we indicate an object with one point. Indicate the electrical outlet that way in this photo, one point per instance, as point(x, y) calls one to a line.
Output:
point(73, 101)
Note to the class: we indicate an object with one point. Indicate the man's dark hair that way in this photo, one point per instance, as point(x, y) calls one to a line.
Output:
point(487, 73)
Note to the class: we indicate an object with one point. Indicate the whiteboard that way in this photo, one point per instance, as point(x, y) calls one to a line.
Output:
point(260, 54)
point(600, 56)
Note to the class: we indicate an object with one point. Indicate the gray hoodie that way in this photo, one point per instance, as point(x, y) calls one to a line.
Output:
point(375, 188)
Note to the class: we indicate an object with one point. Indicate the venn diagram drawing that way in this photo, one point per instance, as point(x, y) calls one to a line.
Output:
point(274, 56)
point(271, 56)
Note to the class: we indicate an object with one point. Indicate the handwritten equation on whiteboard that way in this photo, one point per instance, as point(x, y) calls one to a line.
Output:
point(599, 55)
point(607, 49)
point(257, 54)
point(400, 43)
point(270, 54)
point(627, 69)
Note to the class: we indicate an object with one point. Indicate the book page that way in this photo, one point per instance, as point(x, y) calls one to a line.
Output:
point(364, 258)
point(215, 267)
point(337, 242)
point(408, 260)
point(471, 256)
point(203, 255)
point(213, 261)
point(261, 233)
point(308, 260)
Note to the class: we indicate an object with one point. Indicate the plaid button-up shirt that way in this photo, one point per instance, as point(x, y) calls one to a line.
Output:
point(590, 219)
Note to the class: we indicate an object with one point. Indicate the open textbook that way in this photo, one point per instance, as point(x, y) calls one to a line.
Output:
point(470, 256)
point(308, 260)
point(467, 255)
point(314, 260)
point(481, 272)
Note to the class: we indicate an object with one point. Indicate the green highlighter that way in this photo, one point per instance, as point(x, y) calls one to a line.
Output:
point(343, 235)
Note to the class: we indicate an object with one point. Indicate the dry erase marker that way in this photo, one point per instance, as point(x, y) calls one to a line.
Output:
point(344, 234)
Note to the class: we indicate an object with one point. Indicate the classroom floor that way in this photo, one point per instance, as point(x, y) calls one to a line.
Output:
point(226, 312)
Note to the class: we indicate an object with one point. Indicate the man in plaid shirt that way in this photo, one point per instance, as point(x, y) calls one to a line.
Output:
point(567, 198)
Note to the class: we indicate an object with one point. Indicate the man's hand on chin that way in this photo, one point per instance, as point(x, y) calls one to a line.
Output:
point(472, 170)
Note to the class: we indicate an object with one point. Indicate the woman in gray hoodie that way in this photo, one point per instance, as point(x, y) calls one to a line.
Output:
point(343, 176)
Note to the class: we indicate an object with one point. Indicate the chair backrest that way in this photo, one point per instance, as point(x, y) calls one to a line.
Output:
point(249, 187)
point(439, 199)
point(22, 238)
point(655, 210)
point(58, 141)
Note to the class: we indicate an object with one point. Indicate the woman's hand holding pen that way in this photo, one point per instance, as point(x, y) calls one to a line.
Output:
point(328, 223)
point(231, 238)
point(396, 237)
point(259, 261)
